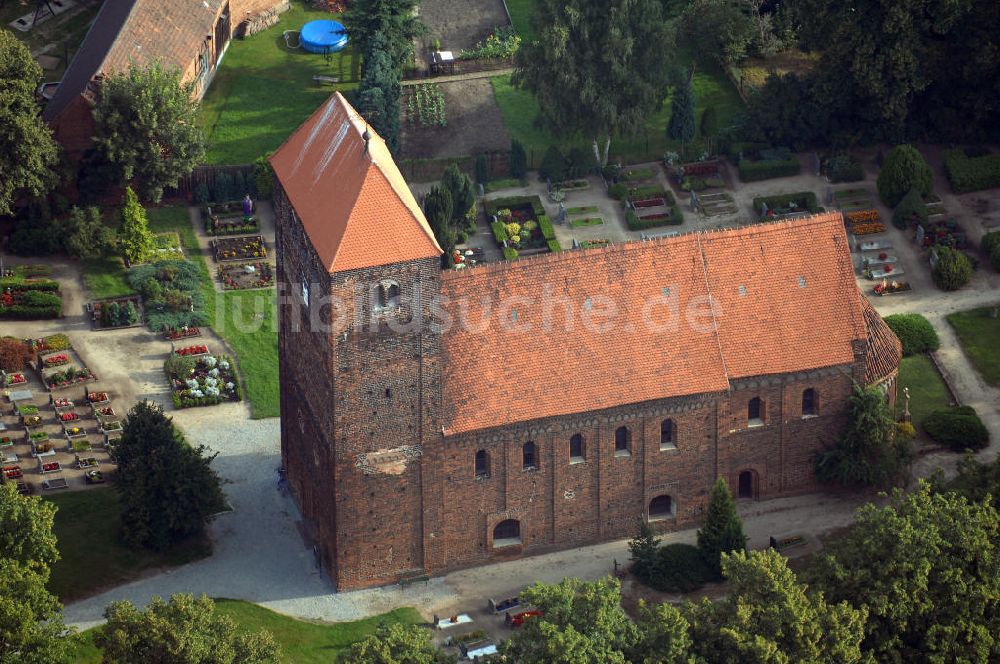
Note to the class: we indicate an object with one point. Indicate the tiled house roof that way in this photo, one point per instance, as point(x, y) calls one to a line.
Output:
point(692, 312)
point(884, 348)
point(351, 197)
point(169, 31)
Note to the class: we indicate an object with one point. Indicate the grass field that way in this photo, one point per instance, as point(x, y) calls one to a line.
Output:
point(105, 277)
point(263, 90)
point(301, 642)
point(93, 557)
point(980, 338)
point(927, 389)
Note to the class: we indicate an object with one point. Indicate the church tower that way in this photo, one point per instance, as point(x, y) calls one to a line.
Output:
point(358, 269)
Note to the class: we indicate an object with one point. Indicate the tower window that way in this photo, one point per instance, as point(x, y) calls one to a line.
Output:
point(576, 448)
point(810, 407)
point(667, 433)
point(755, 412)
point(482, 464)
point(387, 296)
point(622, 441)
point(529, 456)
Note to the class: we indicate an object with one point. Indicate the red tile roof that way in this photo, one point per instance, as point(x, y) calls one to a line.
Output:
point(773, 298)
point(884, 347)
point(351, 198)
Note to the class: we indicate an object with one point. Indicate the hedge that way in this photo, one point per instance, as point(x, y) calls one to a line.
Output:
point(545, 225)
point(990, 246)
point(19, 284)
point(22, 312)
point(634, 223)
point(952, 270)
point(957, 428)
point(803, 199)
point(915, 333)
point(510, 253)
point(554, 246)
point(971, 173)
point(499, 231)
point(753, 171)
point(679, 568)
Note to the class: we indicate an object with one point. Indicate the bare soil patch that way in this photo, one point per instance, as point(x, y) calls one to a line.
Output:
point(460, 23)
point(474, 124)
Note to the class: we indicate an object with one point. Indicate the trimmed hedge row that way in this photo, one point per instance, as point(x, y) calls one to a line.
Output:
point(753, 171)
point(971, 173)
point(19, 284)
point(915, 333)
point(803, 199)
point(990, 246)
point(958, 428)
point(34, 305)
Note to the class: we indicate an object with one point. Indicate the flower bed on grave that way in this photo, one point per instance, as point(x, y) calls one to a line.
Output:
point(68, 376)
point(38, 437)
point(199, 349)
point(12, 472)
point(85, 462)
point(16, 379)
point(6, 441)
point(204, 380)
point(238, 248)
point(94, 477)
point(864, 222)
point(944, 234)
point(79, 444)
point(891, 288)
point(50, 344)
point(50, 467)
point(32, 421)
point(246, 275)
point(116, 312)
point(68, 417)
point(185, 332)
point(43, 448)
point(104, 411)
point(595, 243)
point(55, 360)
point(62, 402)
point(97, 398)
point(111, 426)
point(228, 219)
point(27, 409)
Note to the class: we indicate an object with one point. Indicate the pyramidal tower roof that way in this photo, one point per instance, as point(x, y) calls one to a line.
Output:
point(348, 193)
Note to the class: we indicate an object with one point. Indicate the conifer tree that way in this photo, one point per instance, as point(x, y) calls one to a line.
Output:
point(134, 237)
point(723, 530)
point(682, 119)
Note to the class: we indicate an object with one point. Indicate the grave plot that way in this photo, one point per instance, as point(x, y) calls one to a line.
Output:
point(864, 222)
point(521, 226)
point(63, 368)
point(855, 198)
point(198, 378)
point(696, 176)
point(240, 276)
point(116, 312)
point(239, 248)
point(228, 219)
point(717, 204)
point(650, 206)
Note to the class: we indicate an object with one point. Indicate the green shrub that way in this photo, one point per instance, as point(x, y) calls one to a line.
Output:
point(518, 160)
point(903, 169)
point(753, 171)
point(804, 200)
point(971, 173)
point(911, 210)
point(957, 428)
point(263, 177)
point(952, 270)
point(545, 225)
point(915, 333)
point(18, 283)
point(844, 167)
point(499, 231)
point(553, 165)
point(990, 246)
point(618, 191)
point(482, 169)
point(554, 245)
point(510, 253)
point(679, 568)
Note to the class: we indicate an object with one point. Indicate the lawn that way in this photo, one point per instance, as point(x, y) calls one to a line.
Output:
point(927, 389)
point(521, 12)
point(302, 642)
point(263, 91)
point(93, 558)
point(247, 320)
point(586, 221)
point(979, 335)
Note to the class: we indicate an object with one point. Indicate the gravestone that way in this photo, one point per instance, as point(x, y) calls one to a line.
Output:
point(562, 213)
point(694, 201)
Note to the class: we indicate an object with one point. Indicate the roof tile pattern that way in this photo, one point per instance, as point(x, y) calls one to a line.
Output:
point(884, 347)
point(681, 323)
point(351, 198)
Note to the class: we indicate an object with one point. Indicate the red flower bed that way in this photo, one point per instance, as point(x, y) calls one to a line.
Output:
point(97, 397)
point(12, 472)
point(107, 411)
point(68, 417)
point(701, 168)
point(16, 379)
point(56, 360)
point(649, 202)
point(173, 335)
point(62, 402)
point(200, 349)
point(50, 467)
point(655, 217)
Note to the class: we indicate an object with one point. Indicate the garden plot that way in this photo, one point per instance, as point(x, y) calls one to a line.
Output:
point(458, 25)
point(717, 204)
point(473, 123)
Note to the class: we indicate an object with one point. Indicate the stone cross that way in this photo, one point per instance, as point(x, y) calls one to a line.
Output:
point(906, 404)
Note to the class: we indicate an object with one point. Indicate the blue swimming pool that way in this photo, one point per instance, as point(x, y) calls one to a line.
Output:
point(323, 36)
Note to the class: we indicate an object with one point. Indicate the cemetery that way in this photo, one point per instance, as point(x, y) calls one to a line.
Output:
point(117, 312)
point(198, 378)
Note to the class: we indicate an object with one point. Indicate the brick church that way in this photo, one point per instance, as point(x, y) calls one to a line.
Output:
point(433, 420)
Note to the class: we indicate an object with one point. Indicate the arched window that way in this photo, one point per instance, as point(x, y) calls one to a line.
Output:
point(755, 412)
point(667, 435)
point(482, 464)
point(507, 533)
point(810, 405)
point(622, 440)
point(392, 294)
point(661, 507)
point(576, 448)
point(529, 456)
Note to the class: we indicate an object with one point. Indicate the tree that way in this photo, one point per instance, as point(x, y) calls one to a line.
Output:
point(911, 210)
point(769, 617)
point(952, 270)
point(14, 354)
point(722, 531)
point(459, 185)
point(26, 536)
point(868, 453)
point(681, 125)
point(396, 20)
point(396, 644)
point(718, 29)
point(27, 150)
point(553, 165)
point(518, 160)
point(915, 333)
point(438, 209)
point(597, 67)
point(31, 627)
point(134, 238)
point(581, 623)
point(709, 127)
point(798, 121)
point(664, 636)
point(86, 235)
point(924, 567)
point(147, 127)
point(379, 92)
point(644, 548)
point(184, 630)
point(167, 488)
point(482, 169)
point(976, 481)
point(903, 169)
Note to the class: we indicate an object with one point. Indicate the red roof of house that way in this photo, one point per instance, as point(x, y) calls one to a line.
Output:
point(692, 312)
point(352, 200)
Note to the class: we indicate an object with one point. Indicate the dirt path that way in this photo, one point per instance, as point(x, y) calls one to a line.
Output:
point(490, 73)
